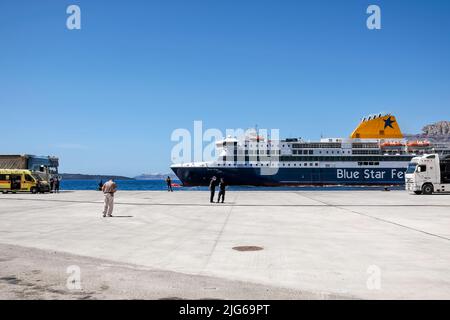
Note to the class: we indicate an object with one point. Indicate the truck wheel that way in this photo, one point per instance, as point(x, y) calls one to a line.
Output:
point(418, 192)
point(33, 190)
point(427, 189)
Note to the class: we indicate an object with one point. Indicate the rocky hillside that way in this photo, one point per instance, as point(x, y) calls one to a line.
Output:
point(441, 128)
point(437, 132)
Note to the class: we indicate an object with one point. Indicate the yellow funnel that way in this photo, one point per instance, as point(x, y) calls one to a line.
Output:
point(378, 127)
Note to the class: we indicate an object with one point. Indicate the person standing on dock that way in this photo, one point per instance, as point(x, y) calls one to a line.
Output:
point(169, 184)
point(212, 188)
point(57, 181)
point(109, 188)
point(52, 184)
point(222, 186)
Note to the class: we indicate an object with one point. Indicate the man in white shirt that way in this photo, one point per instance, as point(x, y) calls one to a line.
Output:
point(109, 188)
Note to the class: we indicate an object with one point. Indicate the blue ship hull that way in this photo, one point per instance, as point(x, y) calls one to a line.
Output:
point(200, 176)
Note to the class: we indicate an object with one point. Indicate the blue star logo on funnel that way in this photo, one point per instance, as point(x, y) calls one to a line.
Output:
point(388, 123)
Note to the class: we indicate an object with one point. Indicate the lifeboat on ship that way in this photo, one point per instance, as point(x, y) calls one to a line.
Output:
point(418, 143)
point(392, 144)
point(256, 138)
point(252, 135)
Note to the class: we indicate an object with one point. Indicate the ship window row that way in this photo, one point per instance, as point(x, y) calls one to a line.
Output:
point(307, 152)
point(302, 151)
point(346, 158)
point(253, 152)
point(316, 145)
point(366, 152)
point(241, 152)
point(305, 164)
point(395, 152)
point(364, 145)
point(261, 145)
point(310, 164)
point(267, 151)
point(320, 152)
point(374, 158)
point(368, 163)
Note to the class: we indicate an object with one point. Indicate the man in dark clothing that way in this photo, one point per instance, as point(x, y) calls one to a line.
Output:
point(212, 188)
point(221, 190)
point(52, 184)
point(57, 180)
point(169, 184)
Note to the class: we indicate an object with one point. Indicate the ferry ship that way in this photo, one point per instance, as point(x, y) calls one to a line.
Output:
point(376, 153)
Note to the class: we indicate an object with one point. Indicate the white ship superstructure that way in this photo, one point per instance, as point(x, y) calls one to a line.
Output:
point(376, 153)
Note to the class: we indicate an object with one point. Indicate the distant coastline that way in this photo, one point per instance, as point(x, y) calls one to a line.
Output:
point(156, 176)
point(79, 176)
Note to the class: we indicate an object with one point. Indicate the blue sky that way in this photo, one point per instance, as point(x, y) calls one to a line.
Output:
point(106, 98)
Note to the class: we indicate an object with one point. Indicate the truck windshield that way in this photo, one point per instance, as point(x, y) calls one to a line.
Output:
point(411, 167)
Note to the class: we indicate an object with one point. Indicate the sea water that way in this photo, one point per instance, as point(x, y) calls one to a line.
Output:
point(161, 185)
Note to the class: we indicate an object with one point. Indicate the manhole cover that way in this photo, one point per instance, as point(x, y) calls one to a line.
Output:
point(247, 248)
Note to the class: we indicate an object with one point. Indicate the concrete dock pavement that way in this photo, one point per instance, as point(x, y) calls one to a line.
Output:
point(315, 244)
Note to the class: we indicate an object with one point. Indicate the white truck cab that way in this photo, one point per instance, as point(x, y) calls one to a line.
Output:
point(428, 174)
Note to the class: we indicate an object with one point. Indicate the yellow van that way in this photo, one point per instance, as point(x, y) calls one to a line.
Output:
point(15, 180)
